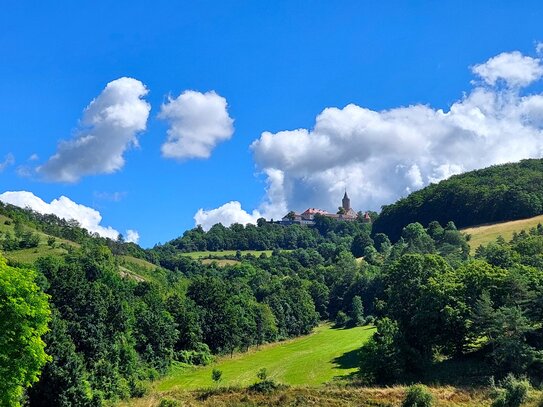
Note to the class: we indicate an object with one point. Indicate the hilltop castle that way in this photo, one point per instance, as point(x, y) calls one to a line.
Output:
point(345, 213)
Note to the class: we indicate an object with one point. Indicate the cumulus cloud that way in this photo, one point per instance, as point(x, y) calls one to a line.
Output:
point(65, 208)
point(197, 123)
point(109, 127)
point(9, 160)
point(380, 156)
point(132, 236)
point(512, 67)
point(227, 214)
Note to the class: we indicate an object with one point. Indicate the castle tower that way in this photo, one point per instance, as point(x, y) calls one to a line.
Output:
point(346, 202)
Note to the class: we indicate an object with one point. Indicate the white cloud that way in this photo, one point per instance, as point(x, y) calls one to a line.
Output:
point(539, 48)
point(198, 122)
point(24, 171)
point(34, 157)
point(116, 196)
point(132, 236)
point(109, 127)
point(9, 160)
point(63, 207)
point(512, 67)
point(380, 156)
point(227, 214)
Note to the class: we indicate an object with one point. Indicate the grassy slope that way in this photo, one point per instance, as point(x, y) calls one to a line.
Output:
point(310, 360)
point(481, 235)
point(29, 256)
point(132, 267)
point(206, 255)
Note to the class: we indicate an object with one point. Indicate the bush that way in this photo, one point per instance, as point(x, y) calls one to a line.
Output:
point(195, 357)
point(216, 375)
point(341, 319)
point(138, 389)
point(168, 403)
point(262, 374)
point(266, 387)
point(513, 392)
point(417, 396)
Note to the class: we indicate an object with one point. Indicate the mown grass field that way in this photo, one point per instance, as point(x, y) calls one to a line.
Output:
point(311, 360)
point(484, 234)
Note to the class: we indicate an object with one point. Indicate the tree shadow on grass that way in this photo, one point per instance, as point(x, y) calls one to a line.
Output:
point(349, 360)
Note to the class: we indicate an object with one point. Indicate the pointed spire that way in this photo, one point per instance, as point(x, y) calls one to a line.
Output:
point(346, 202)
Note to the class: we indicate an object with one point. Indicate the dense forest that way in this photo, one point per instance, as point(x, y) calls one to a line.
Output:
point(498, 193)
point(78, 328)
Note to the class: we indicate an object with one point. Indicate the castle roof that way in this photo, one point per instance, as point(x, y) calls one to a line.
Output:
point(314, 211)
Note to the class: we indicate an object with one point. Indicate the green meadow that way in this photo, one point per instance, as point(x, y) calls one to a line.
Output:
point(310, 360)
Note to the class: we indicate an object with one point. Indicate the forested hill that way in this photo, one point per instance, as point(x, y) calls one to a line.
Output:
point(498, 193)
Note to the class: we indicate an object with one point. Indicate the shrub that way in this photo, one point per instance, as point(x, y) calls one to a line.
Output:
point(216, 375)
point(513, 392)
point(198, 357)
point(266, 387)
point(341, 319)
point(168, 403)
point(138, 389)
point(417, 396)
point(262, 374)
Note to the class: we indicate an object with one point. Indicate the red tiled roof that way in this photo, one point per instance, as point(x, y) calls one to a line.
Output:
point(314, 211)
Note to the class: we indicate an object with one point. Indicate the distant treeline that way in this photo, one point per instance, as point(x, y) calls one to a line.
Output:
point(54, 226)
point(263, 236)
point(498, 193)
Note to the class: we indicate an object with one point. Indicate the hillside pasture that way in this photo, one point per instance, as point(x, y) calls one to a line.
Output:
point(484, 234)
point(29, 256)
point(310, 360)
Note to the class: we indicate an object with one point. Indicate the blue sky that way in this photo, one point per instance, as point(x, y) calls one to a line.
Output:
point(277, 64)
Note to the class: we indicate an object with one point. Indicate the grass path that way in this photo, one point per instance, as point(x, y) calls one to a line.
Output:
point(310, 360)
point(481, 235)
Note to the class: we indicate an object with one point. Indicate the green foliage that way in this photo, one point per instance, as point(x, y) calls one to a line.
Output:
point(168, 403)
point(357, 311)
point(417, 396)
point(262, 374)
point(216, 375)
point(64, 381)
point(512, 392)
point(341, 319)
point(381, 360)
point(266, 387)
point(422, 299)
point(201, 356)
point(498, 193)
point(25, 314)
